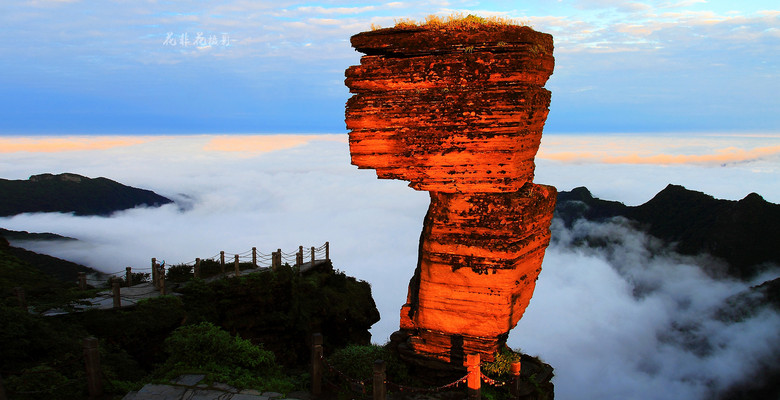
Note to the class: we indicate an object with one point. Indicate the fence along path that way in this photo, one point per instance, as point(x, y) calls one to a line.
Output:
point(383, 389)
point(124, 293)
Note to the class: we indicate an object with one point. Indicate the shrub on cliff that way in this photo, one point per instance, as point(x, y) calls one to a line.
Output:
point(202, 345)
point(205, 348)
point(28, 340)
point(140, 331)
point(500, 368)
point(282, 308)
point(357, 362)
point(179, 273)
point(42, 358)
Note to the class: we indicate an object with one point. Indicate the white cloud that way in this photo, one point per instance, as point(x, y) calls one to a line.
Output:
point(676, 30)
point(585, 317)
point(681, 4)
point(636, 183)
point(639, 320)
point(335, 10)
point(49, 3)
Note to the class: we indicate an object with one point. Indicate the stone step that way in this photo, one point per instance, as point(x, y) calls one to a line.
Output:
point(189, 387)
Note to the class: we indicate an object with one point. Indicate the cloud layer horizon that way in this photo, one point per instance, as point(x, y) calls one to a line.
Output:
point(630, 320)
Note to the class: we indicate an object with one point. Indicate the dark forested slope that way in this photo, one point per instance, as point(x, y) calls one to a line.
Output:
point(72, 193)
point(744, 233)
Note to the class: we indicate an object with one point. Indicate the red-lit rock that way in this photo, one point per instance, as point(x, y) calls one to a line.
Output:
point(450, 111)
point(480, 256)
point(460, 114)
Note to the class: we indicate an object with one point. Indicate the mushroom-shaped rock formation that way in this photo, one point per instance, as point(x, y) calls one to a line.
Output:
point(460, 113)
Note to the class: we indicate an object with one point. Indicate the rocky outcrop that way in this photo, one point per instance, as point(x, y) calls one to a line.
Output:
point(459, 113)
point(450, 111)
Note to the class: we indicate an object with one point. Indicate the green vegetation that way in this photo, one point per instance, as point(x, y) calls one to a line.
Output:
point(282, 308)
point(205, 348)
point(357, 361)
point(249, 332)
point(500, 368)
point(180, 273)
point(137, 277)
point(136, 346)
point(31, 272)
point(60, 270)
point(532, 371)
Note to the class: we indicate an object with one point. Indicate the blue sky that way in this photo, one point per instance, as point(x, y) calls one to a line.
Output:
point(121, 67)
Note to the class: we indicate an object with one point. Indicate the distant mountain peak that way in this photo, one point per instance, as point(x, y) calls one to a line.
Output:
point(754, 198)
point(65, 177)
point(68, 192)
point(744, 233)
point(582, 193)
point(672, 191)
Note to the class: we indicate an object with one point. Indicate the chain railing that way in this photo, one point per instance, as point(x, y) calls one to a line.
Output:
point(472, 380)
point(295, 257)
point(131, 278)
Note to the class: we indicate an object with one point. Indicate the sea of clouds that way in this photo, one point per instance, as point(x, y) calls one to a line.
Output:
point(631, 319)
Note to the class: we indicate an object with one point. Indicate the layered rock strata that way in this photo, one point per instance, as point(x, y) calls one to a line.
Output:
point(459, 113)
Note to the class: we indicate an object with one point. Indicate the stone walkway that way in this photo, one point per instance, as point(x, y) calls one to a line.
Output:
point(188, 387)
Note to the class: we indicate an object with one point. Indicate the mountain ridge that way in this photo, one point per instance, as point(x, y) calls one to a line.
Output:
point(68, 192)
point(742, 232)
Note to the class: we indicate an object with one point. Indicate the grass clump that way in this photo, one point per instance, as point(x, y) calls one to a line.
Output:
point(455, 21)
point(500, 368)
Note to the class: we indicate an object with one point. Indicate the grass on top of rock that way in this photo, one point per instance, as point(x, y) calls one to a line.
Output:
point(455, 21)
